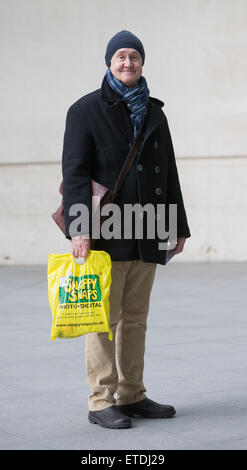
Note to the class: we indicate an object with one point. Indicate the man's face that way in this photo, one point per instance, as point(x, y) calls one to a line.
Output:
point(126, 66)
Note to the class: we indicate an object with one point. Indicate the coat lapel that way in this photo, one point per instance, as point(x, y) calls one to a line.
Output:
point(116, 111)
point(154, 118)
point(119, 116)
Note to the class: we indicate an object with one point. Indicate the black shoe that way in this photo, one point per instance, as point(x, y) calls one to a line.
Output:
point(147, 409)
point(110, 418)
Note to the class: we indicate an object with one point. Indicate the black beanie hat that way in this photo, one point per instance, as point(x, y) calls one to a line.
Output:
point(121, 40)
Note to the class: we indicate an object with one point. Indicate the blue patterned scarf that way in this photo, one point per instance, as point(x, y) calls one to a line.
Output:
point(136, 98)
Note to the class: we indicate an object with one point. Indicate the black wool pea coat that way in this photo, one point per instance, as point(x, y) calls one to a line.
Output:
point(98, 135)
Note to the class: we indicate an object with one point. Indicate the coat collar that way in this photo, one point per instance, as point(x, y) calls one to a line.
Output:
point(108, 95)
point(115, 108)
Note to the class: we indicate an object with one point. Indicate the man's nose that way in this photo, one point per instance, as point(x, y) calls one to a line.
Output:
point(127, 62)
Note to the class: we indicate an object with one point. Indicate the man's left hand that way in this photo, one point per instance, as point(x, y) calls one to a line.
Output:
point(179, 246)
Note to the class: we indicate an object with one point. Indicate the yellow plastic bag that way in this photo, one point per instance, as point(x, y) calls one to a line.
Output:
point(79, 294)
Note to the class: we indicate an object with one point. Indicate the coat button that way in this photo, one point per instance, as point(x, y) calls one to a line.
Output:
point(139, 167)
point(156, 145)
point(157, 169)
point(158, 191)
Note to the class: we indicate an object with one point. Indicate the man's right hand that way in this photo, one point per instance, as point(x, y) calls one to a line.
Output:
point(80, 246)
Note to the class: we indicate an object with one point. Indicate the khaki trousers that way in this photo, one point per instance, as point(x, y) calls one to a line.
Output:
point(115, 368)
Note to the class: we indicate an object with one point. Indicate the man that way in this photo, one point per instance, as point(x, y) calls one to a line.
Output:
point(100, 129)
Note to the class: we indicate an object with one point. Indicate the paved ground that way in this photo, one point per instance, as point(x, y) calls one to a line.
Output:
point(196, 360)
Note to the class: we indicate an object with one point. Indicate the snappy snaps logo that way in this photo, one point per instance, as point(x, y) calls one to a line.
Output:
point(79, 289)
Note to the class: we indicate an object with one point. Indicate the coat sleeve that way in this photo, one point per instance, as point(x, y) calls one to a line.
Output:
point(174, 193)
point(78, 148)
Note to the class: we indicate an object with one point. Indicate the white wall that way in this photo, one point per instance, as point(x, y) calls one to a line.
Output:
point(52, 52)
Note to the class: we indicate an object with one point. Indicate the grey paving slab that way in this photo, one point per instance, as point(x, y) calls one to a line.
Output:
point(9, 441)
point(196, 360)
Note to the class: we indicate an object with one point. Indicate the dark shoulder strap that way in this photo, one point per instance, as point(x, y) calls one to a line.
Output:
point(130, 157)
